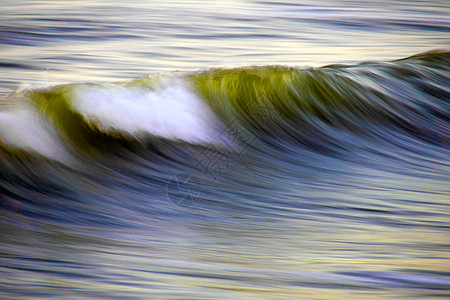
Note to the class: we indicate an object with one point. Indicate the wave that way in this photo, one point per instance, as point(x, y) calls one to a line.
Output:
point(273, 166)
point(313, 107)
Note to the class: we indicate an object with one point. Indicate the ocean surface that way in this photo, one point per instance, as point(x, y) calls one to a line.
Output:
point(224, 150)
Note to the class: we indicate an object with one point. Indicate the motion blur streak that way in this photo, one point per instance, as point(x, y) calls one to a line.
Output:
point(224, 180)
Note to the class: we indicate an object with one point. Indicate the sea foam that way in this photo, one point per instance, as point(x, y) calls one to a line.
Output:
point(172, 111)
point(23, 128)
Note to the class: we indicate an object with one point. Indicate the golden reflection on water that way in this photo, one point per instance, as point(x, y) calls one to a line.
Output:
point(120, 41)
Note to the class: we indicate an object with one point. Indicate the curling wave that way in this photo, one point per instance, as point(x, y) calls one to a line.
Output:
point(313, 107)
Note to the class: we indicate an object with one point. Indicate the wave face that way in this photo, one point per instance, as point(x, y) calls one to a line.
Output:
point(270, 179)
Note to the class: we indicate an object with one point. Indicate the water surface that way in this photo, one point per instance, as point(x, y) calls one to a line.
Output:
point(224, 150)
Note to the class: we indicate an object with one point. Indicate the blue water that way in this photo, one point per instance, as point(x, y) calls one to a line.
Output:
point(224, 150)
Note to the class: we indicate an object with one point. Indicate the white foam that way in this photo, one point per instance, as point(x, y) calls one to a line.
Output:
point(172, 111)
point(22, 128)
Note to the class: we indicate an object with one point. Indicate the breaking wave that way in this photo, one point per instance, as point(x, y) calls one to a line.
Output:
point(317, 108)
